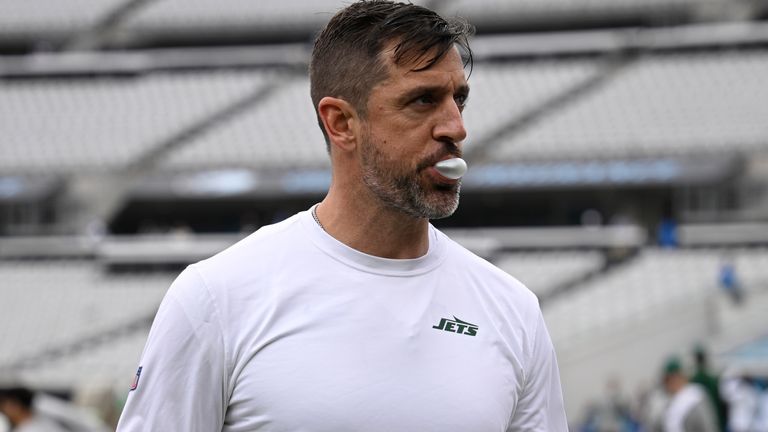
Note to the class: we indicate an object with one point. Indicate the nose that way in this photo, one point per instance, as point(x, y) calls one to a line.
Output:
point(450, 124)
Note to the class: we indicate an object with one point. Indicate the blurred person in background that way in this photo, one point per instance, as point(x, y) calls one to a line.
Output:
point(16, 404)
point(761, 417)
point(729, 280)
point(613, 413)
point(747, 401)
point(31, 411)
point(357, 314)
point(668, 233)
point(652, 408)
point(689, 408)
point(710, 382)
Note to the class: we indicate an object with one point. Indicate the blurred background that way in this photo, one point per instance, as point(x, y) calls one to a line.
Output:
point(618, 154)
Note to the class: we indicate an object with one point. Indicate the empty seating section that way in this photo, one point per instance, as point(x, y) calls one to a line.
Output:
point(44, 16)
point(103, 124)
point(543, 272)
point(517, 10)
point(112, 364)
point(278, 15)
point(280, 132)
point(662, 105)
point(751, 268)
point(55, 304)
point(659, 106)
point(503, 92)
point(659, 283)
point(273, 15)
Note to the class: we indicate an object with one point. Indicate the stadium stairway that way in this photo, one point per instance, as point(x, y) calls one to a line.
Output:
point(93, 37)
point(739, 323)
point(612, 262)
point(54, 354)
point(610, 69)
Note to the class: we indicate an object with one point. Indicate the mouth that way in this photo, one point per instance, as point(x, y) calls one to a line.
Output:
point(436, 178)
point(453, 168)
point(440, 181)
point(434, 159)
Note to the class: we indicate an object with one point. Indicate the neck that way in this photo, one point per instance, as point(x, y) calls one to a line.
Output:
point(367, 225)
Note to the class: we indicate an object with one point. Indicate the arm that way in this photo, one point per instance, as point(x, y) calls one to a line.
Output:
point(540, 407)
point(183, 381)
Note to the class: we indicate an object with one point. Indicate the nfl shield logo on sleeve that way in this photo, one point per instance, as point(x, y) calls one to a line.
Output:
point(135, 382)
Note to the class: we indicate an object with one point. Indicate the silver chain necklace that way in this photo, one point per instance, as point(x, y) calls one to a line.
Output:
point(314, 216)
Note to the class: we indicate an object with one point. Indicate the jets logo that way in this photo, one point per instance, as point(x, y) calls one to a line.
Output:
point(456, 325)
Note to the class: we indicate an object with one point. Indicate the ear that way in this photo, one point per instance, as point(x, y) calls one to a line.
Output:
point(339, 119)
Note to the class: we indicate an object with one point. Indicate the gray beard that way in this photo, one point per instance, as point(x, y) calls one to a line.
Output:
point(404, 192)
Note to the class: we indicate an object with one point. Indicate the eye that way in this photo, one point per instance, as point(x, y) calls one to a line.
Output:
point(425, 99)
point(461, 100)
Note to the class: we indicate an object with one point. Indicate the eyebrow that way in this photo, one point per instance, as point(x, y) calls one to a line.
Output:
point(462, 90)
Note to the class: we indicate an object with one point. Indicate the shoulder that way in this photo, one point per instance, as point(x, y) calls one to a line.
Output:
point(246, 263)
point(263, 243)
point(495, 280)
point(253, 255)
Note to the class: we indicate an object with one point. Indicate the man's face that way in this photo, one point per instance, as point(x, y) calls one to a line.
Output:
point(8, 409)
point(414, 121)
point(673, 383)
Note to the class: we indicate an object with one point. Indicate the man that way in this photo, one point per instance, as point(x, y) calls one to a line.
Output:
point(710, 383)
point(689, 409)
point(358, 315)
point(16, 405)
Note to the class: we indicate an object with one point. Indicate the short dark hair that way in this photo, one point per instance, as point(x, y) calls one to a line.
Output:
point(346, 60)
point(21, 395)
